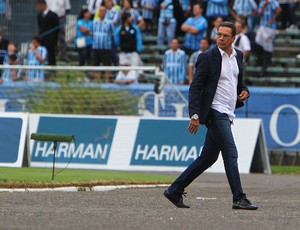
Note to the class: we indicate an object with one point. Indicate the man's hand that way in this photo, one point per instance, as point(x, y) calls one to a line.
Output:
point(193, 126)
point(243, 95)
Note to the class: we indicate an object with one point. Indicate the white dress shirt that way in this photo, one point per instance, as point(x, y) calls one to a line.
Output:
point(59, 6)
point(226, 93)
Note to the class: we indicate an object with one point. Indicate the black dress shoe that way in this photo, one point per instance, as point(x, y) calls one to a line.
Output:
point(244, 203)
point(176, 199)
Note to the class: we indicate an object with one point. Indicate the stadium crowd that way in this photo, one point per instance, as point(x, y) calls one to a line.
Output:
point(110, 32)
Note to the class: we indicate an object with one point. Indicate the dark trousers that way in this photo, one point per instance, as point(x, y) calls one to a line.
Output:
point(84, 55)
point(284, 15)
point(51, 52)
point(218, 138)
point(264, 58)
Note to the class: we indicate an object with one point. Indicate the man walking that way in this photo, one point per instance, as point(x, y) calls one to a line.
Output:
point(216, 90)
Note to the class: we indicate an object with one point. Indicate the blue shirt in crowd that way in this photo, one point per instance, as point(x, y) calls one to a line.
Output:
point(113, 15)
point(217, 8)
point(192, 41)
point(147, 13)
point(268, 13)
point(244, 7)
point(135, 15)
point(174, 65)
point(7, 74)
point(88, 25)
point(36, 75)
point(103, 33)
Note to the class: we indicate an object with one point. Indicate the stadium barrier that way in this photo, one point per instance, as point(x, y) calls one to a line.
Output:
point(13, 131)
point(135, 143)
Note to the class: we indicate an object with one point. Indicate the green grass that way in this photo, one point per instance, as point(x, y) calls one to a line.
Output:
point(285, 169)
point(42, 177)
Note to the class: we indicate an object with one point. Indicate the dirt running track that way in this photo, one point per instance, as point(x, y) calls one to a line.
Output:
point(278, 198)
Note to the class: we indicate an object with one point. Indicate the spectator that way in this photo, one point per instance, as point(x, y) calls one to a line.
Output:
point(36, 57)
point(268, 10)
point(246, 9)
point(174, 64)
point(11, 75)
point(204, 45)
point(148, 7)
point(93, 6)
point(3, 47)
point(112, 13)
point(242, 42)
point(217, 8)
point(214, 31)
point(128, 37)
point(61, 8)
point(288, 14)
point(126, 76)
point(12, 49)
point(166, 23)
point(48, 24)
point(103, 34)
point(194, 28)
point(137, 19)
point(84, 40)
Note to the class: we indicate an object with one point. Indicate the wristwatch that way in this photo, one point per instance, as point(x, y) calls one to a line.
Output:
point(195, 117)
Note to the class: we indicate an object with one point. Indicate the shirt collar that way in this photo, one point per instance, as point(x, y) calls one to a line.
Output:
point(223, 52)
point(46, 12)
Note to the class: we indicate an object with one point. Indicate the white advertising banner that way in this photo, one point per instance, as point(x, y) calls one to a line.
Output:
point(13, 130)
point(135, 143)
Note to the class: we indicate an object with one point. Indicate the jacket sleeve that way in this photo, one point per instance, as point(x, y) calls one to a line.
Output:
point(199, 81)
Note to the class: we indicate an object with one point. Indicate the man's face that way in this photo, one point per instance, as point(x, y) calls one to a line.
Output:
point(35, 43)
point(174, 44)
point(102, 12)
point(204, 45)
point(197, 9)
point(225, 38)
point(238, 27)
point(40, 7)
point(108, 3)
point(126, 4)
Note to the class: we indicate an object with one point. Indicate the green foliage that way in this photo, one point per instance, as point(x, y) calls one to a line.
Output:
point(82, 99)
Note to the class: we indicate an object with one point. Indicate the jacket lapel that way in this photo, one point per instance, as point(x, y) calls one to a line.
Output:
point(217, 61)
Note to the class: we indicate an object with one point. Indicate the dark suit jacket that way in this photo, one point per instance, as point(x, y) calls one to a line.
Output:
point(205, 82)
point(48, 28)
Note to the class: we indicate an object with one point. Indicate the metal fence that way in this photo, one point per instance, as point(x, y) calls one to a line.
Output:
point(18, 19)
